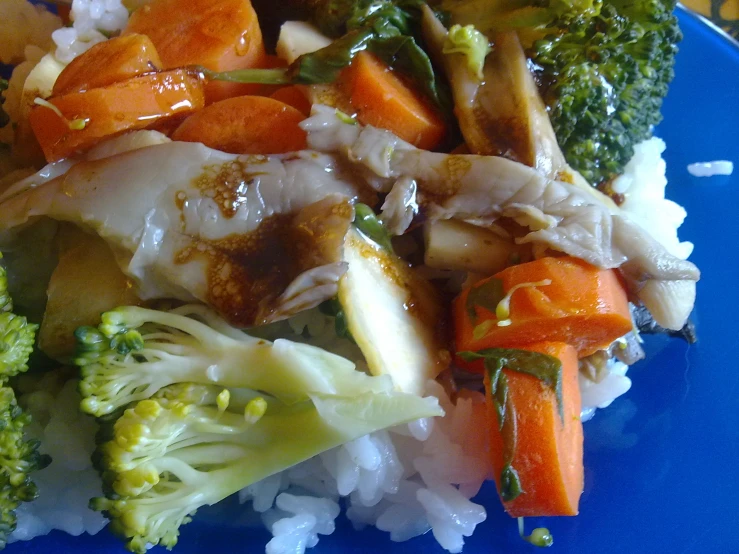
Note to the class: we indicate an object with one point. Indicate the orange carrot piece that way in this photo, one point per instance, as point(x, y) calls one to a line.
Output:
point(583, 306)
point(108, 62)
point(245, 125)
point(294, 96)
point(136, 103)
point(383, 100)
point(547, 449)
point(220, 35)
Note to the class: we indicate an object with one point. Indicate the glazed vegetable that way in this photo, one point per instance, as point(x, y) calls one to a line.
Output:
point(135, 352)
point(170, 455)
point(579, 221)
point(219, 35)
point(19, 456)
point(535, 428)
point(245, 125)
point(293, 96)
point(392, 314)
point(453, 244)
point(85, 263)
point(380, 98)
point(603, 69)
point(108, 62)
point(553, 299)
point(75, 122)
point(281, 236)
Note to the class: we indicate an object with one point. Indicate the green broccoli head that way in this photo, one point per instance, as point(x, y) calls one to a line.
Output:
point(603, 67)
point(18, 459)
point(603, 79)
point(135, 352)
point(193, 445)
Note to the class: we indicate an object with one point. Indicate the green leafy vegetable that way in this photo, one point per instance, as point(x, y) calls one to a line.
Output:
point(333, 308)
point(544, 367)
point(371, 227)
point(487, 295)
point(472, 43)
point(388, 28)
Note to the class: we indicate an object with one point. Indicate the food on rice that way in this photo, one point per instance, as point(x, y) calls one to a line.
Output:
point(287, 330)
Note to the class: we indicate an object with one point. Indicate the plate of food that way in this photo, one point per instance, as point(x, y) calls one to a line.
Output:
point(367, 276)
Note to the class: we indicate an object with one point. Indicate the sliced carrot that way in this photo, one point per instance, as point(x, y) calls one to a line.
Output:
point(220, 35)
point(293, 95)
point(541, 444)
point(582, 305)
point(96, 114)
point(245, 125)
point(383, 100)
point(108, 62)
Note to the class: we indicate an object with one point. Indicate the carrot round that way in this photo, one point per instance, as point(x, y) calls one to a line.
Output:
point(90, 116)
point(383, 100)
point(246, 125)
point(542, 444)
point(293, 95)
point(220, 35)
point(108, 62)
point(560, 299)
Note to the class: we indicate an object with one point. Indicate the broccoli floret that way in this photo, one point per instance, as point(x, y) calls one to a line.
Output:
point(603, 79)
point(135, 352)
point(16, 344)
point(191, 446)
point(18, 459)
point(603, 67)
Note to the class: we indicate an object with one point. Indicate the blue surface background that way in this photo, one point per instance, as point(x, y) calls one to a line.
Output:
point(662, 463)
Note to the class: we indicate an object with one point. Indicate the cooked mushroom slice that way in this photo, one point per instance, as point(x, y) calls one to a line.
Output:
point(392, 314)
point(559, 215)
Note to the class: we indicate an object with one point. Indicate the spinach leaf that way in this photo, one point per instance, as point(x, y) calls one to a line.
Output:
point(487, 295)
point(370, 226)
point(547, 369)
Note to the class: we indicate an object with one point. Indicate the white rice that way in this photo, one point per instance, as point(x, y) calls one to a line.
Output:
point(643, 185)
point(709, 169)
point(601, 394)
point(67, 484)
point(404, 481)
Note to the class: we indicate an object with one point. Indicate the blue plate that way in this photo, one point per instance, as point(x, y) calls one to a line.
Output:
point(661, 462)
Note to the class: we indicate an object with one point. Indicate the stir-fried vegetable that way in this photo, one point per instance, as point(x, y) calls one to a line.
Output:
point(108, 62)
point(220, 36)
point(74, 122)
point(535, 429)
point(554, 299)
point(172, 454)
point(245, 125)
point(603, 68)
point(19, 457)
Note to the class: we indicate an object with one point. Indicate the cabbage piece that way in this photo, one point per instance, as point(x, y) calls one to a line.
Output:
point(188, 222)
